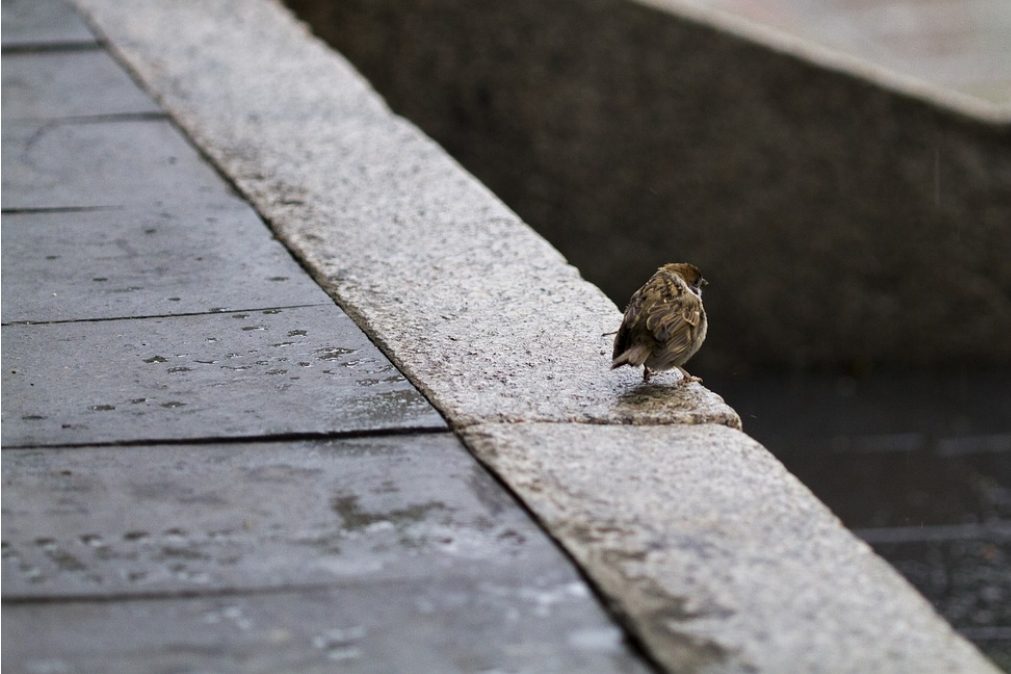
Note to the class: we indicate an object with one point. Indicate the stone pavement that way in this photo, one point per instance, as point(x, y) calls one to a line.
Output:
point(207, 465)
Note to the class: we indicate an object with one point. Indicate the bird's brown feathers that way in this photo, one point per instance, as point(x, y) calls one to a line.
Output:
point(665, 322)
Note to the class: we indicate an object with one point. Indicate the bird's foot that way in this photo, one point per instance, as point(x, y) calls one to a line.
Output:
point(687, 378)
point(646, 374)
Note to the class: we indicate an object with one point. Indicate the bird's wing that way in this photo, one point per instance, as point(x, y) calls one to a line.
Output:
point(674, 318)
point(633, 313)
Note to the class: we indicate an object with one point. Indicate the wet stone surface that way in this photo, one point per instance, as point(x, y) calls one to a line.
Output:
point(145, 262)
point(49, 85)
point(72, 165)
point(164, 519)
point(523, 622)
point(29, 23)
point(268, 372)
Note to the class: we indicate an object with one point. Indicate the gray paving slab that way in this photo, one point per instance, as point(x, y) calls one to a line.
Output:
point(181, 518)
point(29, 23)
point(71, 165)
point(277, 371)
point(536, 624)
point(722, 560)
point(146, 262)
point(51, 85)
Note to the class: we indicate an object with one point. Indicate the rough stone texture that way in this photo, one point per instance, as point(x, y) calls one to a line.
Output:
point(482, 314)
point(146, 262)
point(820, 196)
point(269, 372)
point(502, 623)
point(71, 165)
point(171, 519)
point(29, 23)
point(50, 85)
point(719, 558)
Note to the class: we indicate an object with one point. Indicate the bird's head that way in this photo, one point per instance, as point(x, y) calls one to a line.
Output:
point(690, 273)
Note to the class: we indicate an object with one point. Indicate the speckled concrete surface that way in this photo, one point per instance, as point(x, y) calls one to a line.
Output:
point(720, 562)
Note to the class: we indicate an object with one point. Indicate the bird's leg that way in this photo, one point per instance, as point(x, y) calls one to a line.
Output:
point(646, 374)
point(688, 378)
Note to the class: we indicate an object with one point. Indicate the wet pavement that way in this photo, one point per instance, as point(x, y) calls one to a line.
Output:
point(917, 463)
point(207, 465)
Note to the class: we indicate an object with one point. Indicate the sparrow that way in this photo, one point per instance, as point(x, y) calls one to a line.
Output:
point(665, 322)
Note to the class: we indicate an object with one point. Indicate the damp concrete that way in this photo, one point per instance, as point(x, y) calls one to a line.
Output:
point(178, 519)
point(271, 372)
point(73, 164)
point(143, 261)
point(60, 84)
point(34, 24)
point(501, 623)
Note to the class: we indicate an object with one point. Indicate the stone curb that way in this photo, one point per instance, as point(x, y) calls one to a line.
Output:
point(496, 328)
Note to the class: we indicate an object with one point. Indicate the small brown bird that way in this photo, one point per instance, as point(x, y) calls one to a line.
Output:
point(665, 322)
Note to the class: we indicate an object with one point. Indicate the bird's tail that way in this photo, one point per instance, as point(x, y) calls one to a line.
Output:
point(634, 356)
